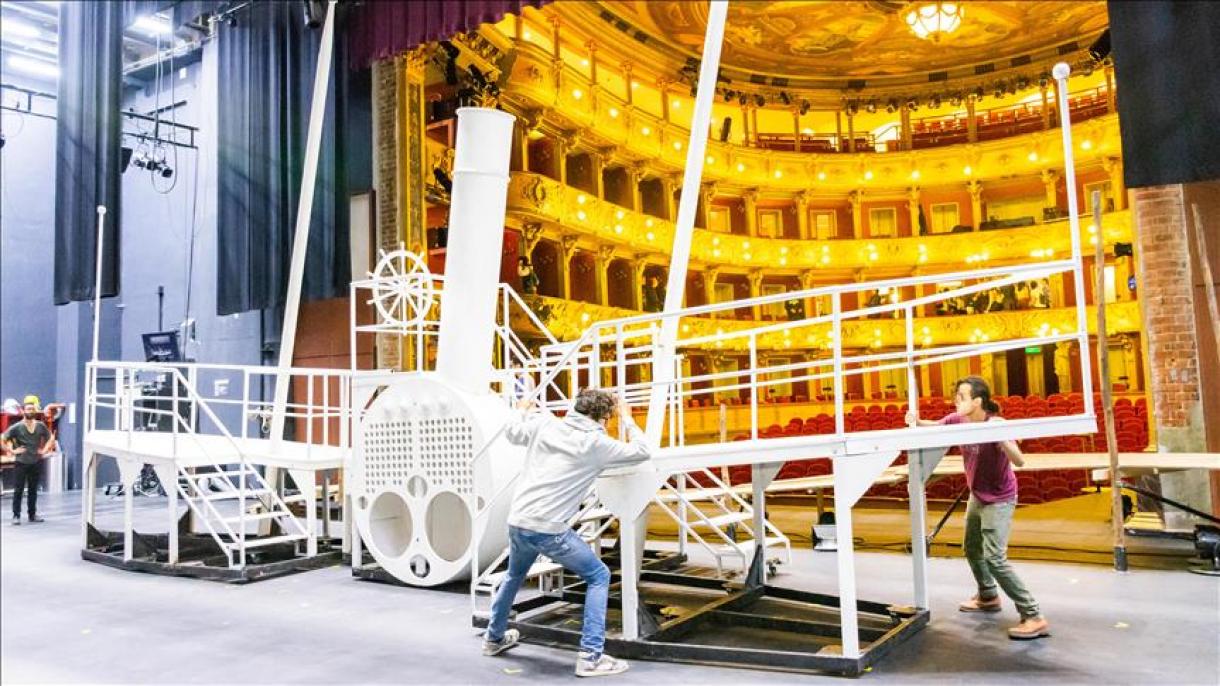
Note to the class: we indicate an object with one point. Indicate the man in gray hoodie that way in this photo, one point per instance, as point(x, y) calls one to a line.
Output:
point(564, 458)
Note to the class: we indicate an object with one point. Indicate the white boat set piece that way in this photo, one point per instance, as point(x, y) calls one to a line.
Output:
point(430, 476)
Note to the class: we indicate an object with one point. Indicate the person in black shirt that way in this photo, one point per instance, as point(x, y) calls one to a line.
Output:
point(29, 441)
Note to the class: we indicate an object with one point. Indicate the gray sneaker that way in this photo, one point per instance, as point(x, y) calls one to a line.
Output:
point(602, 666)
point(16, 520)
point(511, 638)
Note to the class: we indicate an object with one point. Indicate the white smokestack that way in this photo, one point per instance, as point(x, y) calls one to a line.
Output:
point(476, 239)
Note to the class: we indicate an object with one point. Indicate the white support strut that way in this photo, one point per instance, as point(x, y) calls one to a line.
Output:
point(300, 239)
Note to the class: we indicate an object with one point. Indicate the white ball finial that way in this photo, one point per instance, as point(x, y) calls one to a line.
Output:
point(1061, 71)
point(101, 209)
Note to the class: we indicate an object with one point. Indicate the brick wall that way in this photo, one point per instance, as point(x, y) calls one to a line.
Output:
point(1164, 255)
point(385, 180)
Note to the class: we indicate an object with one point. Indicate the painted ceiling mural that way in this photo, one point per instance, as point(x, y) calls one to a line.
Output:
point(862, 38)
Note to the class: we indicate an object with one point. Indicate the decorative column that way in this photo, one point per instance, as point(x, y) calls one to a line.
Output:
point(638, 266)
point(802, 214)
point(756, 277)
point(411, 151)
point(809, 281)
point(1131, 360)
point(562, 145)
point(635, 176)
point(913, 208)
point(972, 122)
point(851, 133)
point(1114, 167)
point(1111, 103)
point(754, 126)
point(602, 259)
point(597, 166)
point(567, 250)
point(709, 283)
point(669, 184)
point(857, 217)
point(987, 367)
point(1050, 182)
point(1063, 365)
point(707, 191)
point(838, 131)
point(591, 46)
point(750, 199)
point(976, 202)
point(531, 233)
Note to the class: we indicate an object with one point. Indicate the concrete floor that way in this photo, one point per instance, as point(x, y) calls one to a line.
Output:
point(65, 620)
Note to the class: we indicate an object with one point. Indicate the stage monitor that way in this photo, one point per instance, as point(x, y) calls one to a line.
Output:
point(162, 346)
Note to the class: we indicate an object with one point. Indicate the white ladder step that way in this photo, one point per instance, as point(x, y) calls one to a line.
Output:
point(747, 547)
point(535, 571)
point(255, 517)
point(220, 474)
point(722, 520)
point(694, 494)
point(233, 495)
point(261, 542)
point(593, 515)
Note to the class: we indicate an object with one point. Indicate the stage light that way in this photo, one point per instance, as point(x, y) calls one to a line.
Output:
point(956, 100)
point(852, 107)
point(912, 104)
point(978, 93)
point(935, 103)
point(804, 107)
point(743, 99)
point(891, 106)
point(1044, 80)
point(871, 106)
point(1022, 83)
point(759, 100)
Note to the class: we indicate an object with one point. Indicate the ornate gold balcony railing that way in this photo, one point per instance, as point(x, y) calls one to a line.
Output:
point(540, 198)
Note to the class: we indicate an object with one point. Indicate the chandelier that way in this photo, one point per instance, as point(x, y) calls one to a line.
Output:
point(931, 20)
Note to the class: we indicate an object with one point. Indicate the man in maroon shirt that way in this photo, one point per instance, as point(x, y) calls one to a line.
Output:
point(993, 500)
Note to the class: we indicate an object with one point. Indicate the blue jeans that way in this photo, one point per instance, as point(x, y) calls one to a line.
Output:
point(575, 555)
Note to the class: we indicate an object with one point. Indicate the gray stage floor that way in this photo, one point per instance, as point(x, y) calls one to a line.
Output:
point(66, 620)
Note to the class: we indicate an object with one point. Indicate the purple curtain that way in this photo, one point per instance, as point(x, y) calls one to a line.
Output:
point(390, 27)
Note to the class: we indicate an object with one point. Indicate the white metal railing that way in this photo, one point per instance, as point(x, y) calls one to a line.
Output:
point(122, 402)
point(634, 342)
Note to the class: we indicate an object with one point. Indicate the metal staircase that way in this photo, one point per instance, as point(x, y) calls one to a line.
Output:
point(591, 523)
point(716, 528)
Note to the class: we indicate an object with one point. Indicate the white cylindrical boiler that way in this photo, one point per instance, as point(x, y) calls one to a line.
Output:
point(414, 488)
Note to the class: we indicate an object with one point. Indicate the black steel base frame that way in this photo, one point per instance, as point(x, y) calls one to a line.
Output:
point(199, 557)
point(731, 606)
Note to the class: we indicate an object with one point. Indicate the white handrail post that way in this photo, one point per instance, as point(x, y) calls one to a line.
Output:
point(836, 330)
point(97, 278)
point(753, 387)
point(1061, 72)
point(912, 385)
point(300, 240)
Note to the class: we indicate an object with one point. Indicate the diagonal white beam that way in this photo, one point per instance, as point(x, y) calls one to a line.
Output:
point(696, 149)
point(300, 240)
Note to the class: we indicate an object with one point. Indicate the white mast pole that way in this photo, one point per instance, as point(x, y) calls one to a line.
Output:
point(696, 149)
point(300, 241)
point(97, 279)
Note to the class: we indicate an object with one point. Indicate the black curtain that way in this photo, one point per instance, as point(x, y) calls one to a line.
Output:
point(1167, 63)
point(266, 71)
point(87, 171)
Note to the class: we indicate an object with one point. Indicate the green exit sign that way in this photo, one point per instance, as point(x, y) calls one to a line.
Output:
point(1033, 351)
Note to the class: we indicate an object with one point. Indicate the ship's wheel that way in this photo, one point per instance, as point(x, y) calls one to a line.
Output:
point(402, 292)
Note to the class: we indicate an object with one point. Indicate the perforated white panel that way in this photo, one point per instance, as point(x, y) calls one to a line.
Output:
point(446, 448)
point(388, 453)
